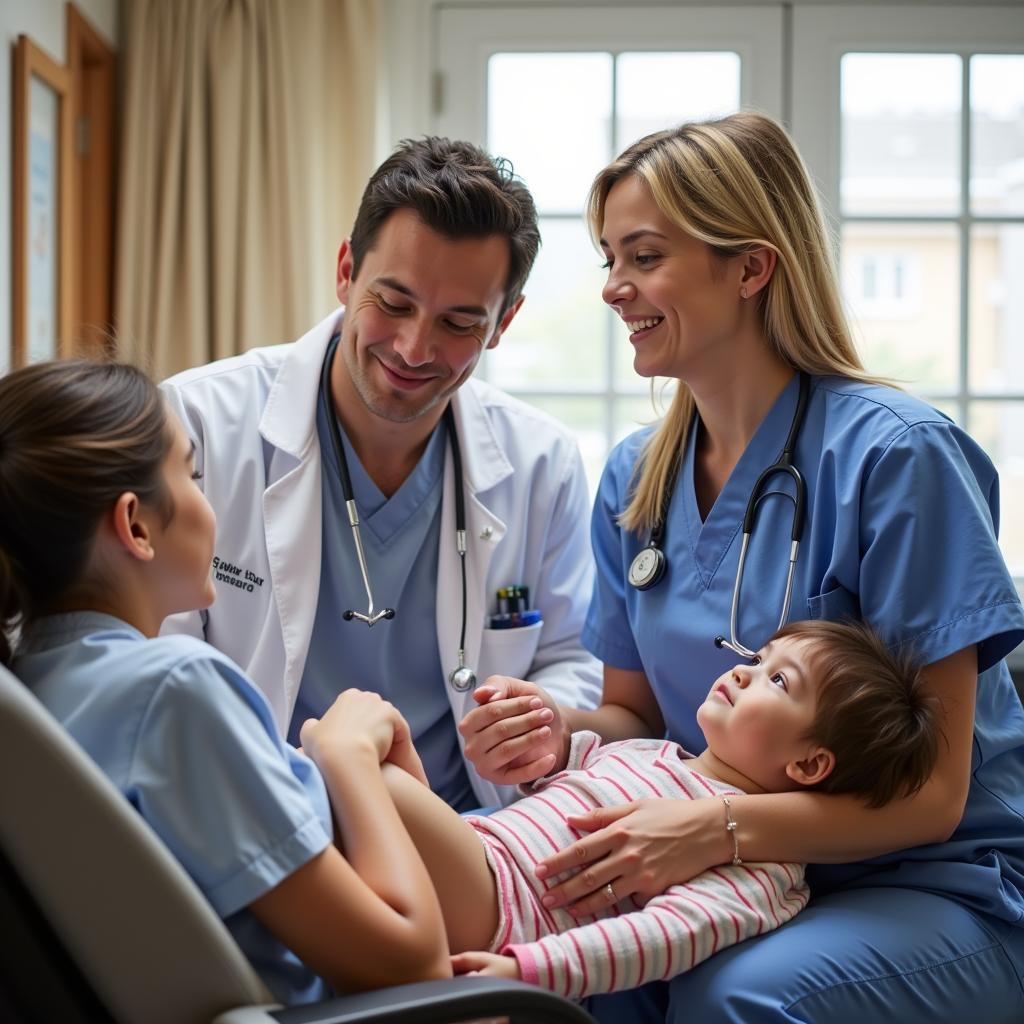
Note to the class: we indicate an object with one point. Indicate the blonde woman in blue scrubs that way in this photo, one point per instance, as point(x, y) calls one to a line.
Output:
point(719, 263)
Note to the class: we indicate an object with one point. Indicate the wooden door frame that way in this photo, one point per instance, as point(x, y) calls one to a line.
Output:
point(93, 69)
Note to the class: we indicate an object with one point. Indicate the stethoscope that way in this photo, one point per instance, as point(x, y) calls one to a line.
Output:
point(648, 567)
point(461, 678)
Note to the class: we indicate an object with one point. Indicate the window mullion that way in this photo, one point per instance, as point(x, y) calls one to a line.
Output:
point(965, 237)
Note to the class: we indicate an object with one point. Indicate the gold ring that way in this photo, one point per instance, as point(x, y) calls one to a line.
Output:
point(610, 892)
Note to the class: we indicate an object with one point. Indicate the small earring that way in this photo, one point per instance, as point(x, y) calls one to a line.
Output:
point(743, 293)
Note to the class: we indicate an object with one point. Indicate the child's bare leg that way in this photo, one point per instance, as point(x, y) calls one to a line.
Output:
point(455, 860)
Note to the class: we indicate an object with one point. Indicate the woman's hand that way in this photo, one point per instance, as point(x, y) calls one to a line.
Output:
point(491, 965)
point(640, 848)
point(517, 734)
point(360, 719)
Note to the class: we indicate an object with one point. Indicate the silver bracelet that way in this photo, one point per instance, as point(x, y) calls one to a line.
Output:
point(730, 827)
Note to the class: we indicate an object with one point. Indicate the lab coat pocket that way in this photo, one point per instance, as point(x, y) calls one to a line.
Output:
point(508, 652)
point(835, 605)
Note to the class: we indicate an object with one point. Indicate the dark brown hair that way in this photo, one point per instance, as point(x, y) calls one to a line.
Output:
point(871, 711)
point(74, 436)
point(457, 190)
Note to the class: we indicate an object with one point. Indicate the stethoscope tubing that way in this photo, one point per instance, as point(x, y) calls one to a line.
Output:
point(648, 567)
point(783, 465)
point(461, 677)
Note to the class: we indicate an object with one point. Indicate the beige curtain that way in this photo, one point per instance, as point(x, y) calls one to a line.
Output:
point(247, 137)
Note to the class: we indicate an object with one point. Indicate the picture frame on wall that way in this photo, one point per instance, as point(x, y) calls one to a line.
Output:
point(41, 206)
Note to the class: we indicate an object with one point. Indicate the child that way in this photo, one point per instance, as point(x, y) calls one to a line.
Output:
point(104, 532)
point(823, 706)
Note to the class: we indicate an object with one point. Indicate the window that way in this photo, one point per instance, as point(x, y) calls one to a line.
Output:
point(881, 283)
point(914, 131)
point(912, 126)
point(560, 107)
point(931, 192)
point(569, 353)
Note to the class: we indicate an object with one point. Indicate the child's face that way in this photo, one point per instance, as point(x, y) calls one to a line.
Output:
point(184, 547)
point(756, 716)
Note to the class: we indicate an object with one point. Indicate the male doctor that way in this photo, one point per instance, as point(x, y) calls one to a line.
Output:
point(432, 275)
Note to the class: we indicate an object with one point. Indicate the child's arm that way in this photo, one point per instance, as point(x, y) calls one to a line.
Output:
point(370, 917)
point(672, 933)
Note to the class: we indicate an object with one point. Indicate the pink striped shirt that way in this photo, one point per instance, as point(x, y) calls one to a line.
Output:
point(630, 943)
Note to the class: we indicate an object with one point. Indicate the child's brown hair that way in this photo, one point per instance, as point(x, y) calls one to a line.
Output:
point(871, 711)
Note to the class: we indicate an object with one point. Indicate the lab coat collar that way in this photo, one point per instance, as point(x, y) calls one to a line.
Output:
point(289, 417)
point(484, 462)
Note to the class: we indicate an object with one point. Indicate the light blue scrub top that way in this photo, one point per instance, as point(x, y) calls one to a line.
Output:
point(192, 744)
point(396, 658)
point(902, 515)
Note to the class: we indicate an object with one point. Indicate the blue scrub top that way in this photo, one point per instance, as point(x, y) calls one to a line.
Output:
point(902, 515)
point(396, 658)
point(192, 744)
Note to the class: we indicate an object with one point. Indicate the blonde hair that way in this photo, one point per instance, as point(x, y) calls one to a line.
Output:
point(737, 184)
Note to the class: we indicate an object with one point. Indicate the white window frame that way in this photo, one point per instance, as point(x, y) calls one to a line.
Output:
point(466, 38)
point(821, 36)
point(791, 60)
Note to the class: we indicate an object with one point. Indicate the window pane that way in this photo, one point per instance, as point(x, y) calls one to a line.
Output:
point(948, 407)
point(902, 289)
point(550, 114)
point(661, 90)
point(558, 336)
point(999, 428)
point(586, 417)
point(900, 133)
point(636, 411)
point(996, 304)
point(997, 134)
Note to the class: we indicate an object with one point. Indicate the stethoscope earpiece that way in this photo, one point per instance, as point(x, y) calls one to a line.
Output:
point(738, 649)
point(370, 619)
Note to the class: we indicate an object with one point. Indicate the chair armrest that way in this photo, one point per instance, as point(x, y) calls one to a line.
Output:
point(426, 1002)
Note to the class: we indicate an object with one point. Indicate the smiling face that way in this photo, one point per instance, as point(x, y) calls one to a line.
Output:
point(420, 313)
point(756, 718)
point(679, 299)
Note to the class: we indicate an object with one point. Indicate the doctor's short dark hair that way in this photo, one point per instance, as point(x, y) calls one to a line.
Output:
point(871, 711)
point(74, 436)
point(457, 190)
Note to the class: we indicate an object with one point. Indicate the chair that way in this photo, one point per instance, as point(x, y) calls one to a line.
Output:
point(101, 924)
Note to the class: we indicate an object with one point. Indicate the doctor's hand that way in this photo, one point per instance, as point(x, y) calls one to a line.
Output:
point(639, 848)
point(517, 734)
point(362, 721)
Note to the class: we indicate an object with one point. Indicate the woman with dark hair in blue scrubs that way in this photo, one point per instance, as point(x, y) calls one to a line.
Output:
point(720, 266)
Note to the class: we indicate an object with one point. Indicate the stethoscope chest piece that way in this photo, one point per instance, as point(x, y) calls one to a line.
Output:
point(647, 568)
point(462, 679)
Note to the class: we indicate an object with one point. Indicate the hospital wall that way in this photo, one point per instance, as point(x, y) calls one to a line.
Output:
point(43, 21)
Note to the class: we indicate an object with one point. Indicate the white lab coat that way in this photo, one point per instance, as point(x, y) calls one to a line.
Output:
point(253, 420)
